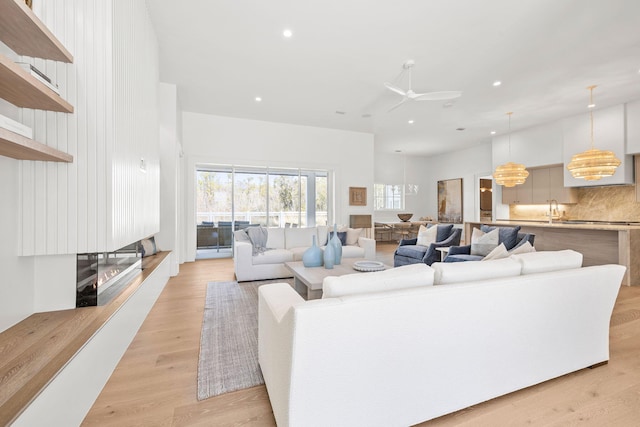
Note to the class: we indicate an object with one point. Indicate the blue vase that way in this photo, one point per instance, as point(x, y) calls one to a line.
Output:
point(312, 257)
point(337, 245)
point(329, 256)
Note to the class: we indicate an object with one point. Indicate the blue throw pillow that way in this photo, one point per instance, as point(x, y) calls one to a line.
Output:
point(507, 235)
point(444, 231)
point(342, 235)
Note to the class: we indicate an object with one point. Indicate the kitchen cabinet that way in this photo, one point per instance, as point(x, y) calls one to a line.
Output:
point(542, 185)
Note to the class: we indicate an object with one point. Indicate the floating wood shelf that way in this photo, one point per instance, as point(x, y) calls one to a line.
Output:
point(20, 88)
point(25, 34)
point(18, 147)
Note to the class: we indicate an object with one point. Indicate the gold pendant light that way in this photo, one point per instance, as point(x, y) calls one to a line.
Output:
point(593, 164)
point(510, 174)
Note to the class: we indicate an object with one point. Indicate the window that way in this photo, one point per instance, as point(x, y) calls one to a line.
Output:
point(388, 197)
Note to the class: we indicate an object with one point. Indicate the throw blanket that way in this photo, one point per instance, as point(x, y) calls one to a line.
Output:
point(258, 237)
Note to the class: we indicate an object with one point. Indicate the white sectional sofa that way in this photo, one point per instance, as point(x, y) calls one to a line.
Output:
point(288, 244)
point(396, 356)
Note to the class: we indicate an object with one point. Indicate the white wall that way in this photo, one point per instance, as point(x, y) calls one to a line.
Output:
point(399, 168)
point(16, 283)
point(168, 237)
point(211, 139)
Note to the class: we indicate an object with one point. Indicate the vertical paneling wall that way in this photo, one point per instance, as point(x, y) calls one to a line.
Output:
point(135, 168)
point(82, 206)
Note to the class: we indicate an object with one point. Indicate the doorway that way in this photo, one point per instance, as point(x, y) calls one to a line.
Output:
point(486, 200)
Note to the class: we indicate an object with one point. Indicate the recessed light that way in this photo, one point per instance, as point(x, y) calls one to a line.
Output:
point(493, 132)
point(340, 112)
point(410, 122)
point(366, 115)
point(460, 128)
point(398, 151)
point(497, 83)
point(591, 106)
point(258, 99)
point(287, 33)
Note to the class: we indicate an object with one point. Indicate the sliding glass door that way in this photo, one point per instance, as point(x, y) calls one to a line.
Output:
point(231, 198)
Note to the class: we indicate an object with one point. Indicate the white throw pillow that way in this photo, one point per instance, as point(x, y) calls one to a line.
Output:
point(483, 243)
point(471, 271)
point(546, 261)
point(427, 236)
point(524, 248)
point(499, 252)
point(353, 234)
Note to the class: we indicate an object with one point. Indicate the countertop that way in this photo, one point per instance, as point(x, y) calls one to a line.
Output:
point(564, 224)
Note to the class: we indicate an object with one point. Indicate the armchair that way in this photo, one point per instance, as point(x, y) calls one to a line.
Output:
point(463, 253)
point(409, 252)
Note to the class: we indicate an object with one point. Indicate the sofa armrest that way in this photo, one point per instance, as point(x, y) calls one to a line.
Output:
point(277, 299)
point(242, 258)
point(460, 250)
point(369, 246)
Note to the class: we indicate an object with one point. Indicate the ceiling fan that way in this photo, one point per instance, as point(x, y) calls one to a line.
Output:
point(410, 95)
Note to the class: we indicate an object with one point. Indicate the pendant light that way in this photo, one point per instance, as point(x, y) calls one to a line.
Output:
point(593, 164)
point(510, 174)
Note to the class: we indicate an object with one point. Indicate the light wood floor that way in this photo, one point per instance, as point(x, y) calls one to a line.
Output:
point(155, 382)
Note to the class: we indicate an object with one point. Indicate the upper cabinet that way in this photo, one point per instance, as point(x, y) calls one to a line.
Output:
point(25, 34)
point(633, 127)
point(542, 186)
point(609, 134)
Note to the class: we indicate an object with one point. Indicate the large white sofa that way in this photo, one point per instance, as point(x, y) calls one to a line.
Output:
point(397, 356)
point(288, 244)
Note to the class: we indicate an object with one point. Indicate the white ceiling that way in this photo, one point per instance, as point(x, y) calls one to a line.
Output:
point(222, 54)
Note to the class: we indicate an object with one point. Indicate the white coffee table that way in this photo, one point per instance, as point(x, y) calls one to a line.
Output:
point(308, 280)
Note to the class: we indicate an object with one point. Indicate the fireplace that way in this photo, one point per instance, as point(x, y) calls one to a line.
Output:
point(100, 276)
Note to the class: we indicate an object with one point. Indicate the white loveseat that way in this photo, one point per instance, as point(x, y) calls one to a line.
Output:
point(398, 356)
point(288, 244)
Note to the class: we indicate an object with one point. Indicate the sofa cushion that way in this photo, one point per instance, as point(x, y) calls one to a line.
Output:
point(352, 252)
point(275, 238)
point(545, 261)
point(273, 256)
point(444, 231)
point(427, 235)
point(353, 234)
point(408, 276)
point(298, 237)
point(507, 235)
point(412, 251)
point(323, 234)
point(499, 252)
point(524, 248)
point(457, 272)
point(241, 236)
point(297, 253)
point(482, 243)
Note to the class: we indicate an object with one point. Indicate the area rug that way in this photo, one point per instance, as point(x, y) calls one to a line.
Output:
point(229, 341)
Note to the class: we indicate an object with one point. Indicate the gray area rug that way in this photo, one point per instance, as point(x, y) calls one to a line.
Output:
point(229, 341)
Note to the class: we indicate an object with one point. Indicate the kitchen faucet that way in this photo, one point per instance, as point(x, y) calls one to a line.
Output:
point(551, 202)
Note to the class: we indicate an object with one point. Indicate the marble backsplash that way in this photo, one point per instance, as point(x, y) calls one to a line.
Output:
point(613, 203)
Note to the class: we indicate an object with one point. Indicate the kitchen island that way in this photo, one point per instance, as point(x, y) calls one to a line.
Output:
point(598, 242)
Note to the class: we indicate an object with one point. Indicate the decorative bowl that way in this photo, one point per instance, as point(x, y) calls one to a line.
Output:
point(368, 266)
point(405, 216)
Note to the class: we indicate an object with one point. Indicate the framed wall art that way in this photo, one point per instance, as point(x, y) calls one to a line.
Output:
point(450, 201)
point(358, 196)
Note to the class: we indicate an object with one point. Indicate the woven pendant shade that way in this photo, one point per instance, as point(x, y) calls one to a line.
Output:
point(593, 164)
point(510, 174)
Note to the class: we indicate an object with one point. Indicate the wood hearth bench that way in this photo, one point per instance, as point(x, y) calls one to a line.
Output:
point(34, 351)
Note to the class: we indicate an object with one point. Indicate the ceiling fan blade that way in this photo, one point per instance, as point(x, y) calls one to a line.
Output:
point(437, 96)
point(398, 104)
point(395, 89)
